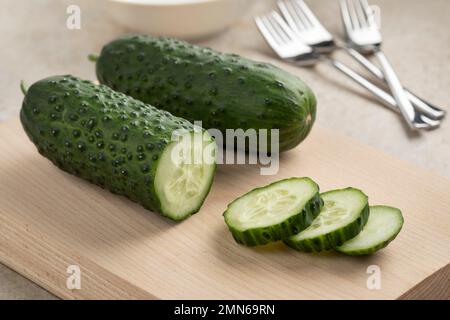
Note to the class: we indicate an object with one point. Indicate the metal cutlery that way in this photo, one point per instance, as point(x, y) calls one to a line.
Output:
point(303, 21)
point(286, 43)
point(363, 35)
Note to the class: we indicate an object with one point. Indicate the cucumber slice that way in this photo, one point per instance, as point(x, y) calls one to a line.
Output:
point(273, 212)
point(343, 216)
point(382, 227)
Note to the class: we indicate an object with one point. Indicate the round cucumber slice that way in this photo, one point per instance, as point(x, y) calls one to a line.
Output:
point(383, 226)
point(344, 214)
point(273, 212)
point(185, 173)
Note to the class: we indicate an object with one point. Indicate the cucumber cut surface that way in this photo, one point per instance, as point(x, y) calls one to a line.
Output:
point(383, 226)
point(273, 212)
point(344, 214)
point(185, 173)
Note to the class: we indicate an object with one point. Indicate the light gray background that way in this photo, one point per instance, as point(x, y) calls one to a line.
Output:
point(35, 43)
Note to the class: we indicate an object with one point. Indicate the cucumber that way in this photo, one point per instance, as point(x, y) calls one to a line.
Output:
point(344, 214)
point(224, 91)
point(383, 226)
point(273, 212)
point(120, 144)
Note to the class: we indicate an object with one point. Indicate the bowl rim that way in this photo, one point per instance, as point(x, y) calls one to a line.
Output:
point(164, 3)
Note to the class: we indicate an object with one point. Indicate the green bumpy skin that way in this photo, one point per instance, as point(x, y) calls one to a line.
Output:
point(291, 226)
point(224, 91)
point(333, 238)
point(103, 136)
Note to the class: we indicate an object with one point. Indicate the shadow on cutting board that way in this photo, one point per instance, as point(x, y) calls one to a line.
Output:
point(287, 259)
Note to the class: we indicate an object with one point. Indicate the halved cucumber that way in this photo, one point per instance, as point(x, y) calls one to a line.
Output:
point(185, 174)
point(120, 144)
point(343, 216)
point(382, 227)
point(273, 212)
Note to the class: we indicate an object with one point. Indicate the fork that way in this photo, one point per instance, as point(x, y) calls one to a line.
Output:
point(288, 46)
point(364, 35)
point(303, 21)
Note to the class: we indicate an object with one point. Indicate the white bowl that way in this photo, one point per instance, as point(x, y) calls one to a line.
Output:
point(185, 19)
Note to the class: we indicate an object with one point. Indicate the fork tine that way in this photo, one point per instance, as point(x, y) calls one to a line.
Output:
point(301, 14)
point(276, 26)
point(282, 39)
point(308, 13)
point(365, 5)
point(353, 14)
point(346, 15)
point(268, 34)
point(281, 23)
point(368, 13)
point(360, 13)
point(297, 19)
point(290, 16)
point(271, 29)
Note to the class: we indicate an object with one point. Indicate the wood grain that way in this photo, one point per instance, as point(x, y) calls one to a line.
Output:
point(50, 220)
point(435, 287)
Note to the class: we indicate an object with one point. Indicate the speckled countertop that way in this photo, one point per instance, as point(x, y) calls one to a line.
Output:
point(35, 43)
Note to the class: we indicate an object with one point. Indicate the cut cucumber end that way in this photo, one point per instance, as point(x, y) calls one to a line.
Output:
point(383, 225)
point(344, 214)
point(273, 212)
point(185, 174)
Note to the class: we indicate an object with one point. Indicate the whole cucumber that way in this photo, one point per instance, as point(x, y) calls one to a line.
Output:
point(118, 143)
point(224, 91)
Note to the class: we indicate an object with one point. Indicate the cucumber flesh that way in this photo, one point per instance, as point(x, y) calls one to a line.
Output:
point(344, 214)
point(383, 226)
point(185, 173)
point(273, 212)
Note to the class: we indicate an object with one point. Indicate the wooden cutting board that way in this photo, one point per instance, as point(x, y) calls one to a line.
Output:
point(50, 220)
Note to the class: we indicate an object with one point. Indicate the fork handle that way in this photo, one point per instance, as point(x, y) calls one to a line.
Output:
point(421, 123)
point(407, 110)
point(422, 105)
point(376, 91)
